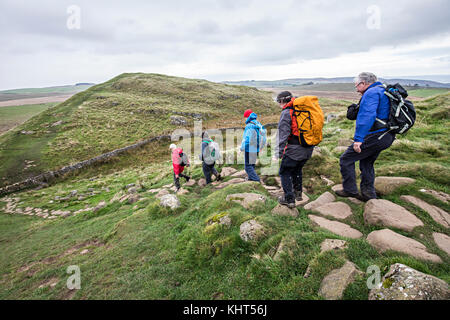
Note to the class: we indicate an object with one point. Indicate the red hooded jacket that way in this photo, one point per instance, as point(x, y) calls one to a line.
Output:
point(176, 161)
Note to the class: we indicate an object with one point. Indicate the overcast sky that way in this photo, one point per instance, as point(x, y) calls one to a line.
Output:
point(50, 42)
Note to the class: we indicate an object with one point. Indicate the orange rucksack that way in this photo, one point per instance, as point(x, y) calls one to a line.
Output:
point(309, 119)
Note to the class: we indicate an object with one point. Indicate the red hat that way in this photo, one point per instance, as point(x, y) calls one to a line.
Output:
point(247, 113)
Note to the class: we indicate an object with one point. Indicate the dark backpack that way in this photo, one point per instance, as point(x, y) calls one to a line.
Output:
point(184, 159)
point(402, 114)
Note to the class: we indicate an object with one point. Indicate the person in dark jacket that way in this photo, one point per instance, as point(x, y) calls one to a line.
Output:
point(293, 155)
point(252, 142)
point(369, 140)
point(208, 168)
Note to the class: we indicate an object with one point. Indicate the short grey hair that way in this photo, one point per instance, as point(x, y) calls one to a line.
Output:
point(366, 77)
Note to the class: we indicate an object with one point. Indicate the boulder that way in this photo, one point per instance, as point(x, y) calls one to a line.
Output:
point(182, 191)
point(285, 211)
point(386, 185)
point(338, 210)
point(225, 221)
point(99, 206)
point(251, 230)
point(332, 244)
point(383, 240)
point(239, 174)
point(442, 241)
point(405, 283)
point(171, 201)
point(438, 215)
point(386, 213)
point(190, 183)
point(337, 187)
point(178, 120)
point(336, 227)
point(334, 284)
point(227, 171)
point(133, 198)
point(437, 194)
point(201, 182)
point(232, 181)
point(320, 201)
point(246, 199)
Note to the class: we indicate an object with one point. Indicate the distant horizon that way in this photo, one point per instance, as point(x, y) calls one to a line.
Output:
point(443, 79)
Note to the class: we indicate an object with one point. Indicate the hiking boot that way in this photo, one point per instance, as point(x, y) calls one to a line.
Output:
point(365, 197)
point(298, 195)
point(187, 178)
point(218, 177)
point(282, 200)
point(345, 194)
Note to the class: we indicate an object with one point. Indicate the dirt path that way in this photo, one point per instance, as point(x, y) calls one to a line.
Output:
point(20, 102)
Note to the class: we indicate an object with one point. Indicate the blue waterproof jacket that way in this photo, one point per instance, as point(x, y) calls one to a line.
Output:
point(253, 133)
point(374, 104)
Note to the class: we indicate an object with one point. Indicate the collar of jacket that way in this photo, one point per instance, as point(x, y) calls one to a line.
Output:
point(290, 104)
point(377, 83)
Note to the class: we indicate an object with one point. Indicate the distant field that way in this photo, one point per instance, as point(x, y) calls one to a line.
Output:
point(16, 115)
point(28, 93)
point(428, 92)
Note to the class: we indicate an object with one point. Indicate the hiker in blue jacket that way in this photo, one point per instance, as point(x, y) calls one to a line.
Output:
point(253, 141)
point(369, 140)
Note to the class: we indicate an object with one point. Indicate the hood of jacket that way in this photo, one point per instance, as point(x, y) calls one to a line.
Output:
point(251, 117)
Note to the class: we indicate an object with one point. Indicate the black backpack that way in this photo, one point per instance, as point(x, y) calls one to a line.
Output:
point(184, 159)
point(402, 114)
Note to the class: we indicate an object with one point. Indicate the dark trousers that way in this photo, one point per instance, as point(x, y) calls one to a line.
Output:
point(291, 177)
point(176, 181)
point(208, 170)
point(250, 161)
point(370, 150)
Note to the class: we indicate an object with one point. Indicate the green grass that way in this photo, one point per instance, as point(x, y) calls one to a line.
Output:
point(143, 251)
point(15, 115)
point(425, 93)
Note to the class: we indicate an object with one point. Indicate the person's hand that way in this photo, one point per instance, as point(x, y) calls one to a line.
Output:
point(357, 146)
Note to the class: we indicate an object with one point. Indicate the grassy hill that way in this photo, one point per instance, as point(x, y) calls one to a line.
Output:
point(119, 112)
point(144, 251)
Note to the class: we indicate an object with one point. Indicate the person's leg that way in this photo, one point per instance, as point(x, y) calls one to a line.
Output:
point(347, 167)
point(206, 172)
point(250, 159)
point(297, 178)
point(214, 172)
point(287, 173)
point(366, 165)
point(176, 181)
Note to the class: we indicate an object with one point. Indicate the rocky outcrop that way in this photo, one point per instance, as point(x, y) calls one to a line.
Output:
point(380, 212)
point(337, 210)
point(442, 241)
point(246, 199)
point(438, 215)
point(170, 201)
point(227, 171)
point(281, 210)
point(386, 185)
point(320, 201)
point(383, 240)
point(405, 283)
point(251, 231)
point(334, 284)
point(336, 227)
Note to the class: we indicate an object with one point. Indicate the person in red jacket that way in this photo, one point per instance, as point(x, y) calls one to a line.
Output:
point(178, 165)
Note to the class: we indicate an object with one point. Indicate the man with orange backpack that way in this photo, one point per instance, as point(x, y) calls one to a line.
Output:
point(179, 161)
point(299, 130)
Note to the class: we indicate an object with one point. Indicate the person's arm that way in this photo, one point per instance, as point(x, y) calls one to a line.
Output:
point(366, 115)
point(244, 139)
point(284, 131)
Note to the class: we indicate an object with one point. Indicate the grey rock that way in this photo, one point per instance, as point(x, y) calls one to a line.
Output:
point(334, 284)
point(251, 230)
point(170, 201)
point(320, 201)
point(405, 283)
